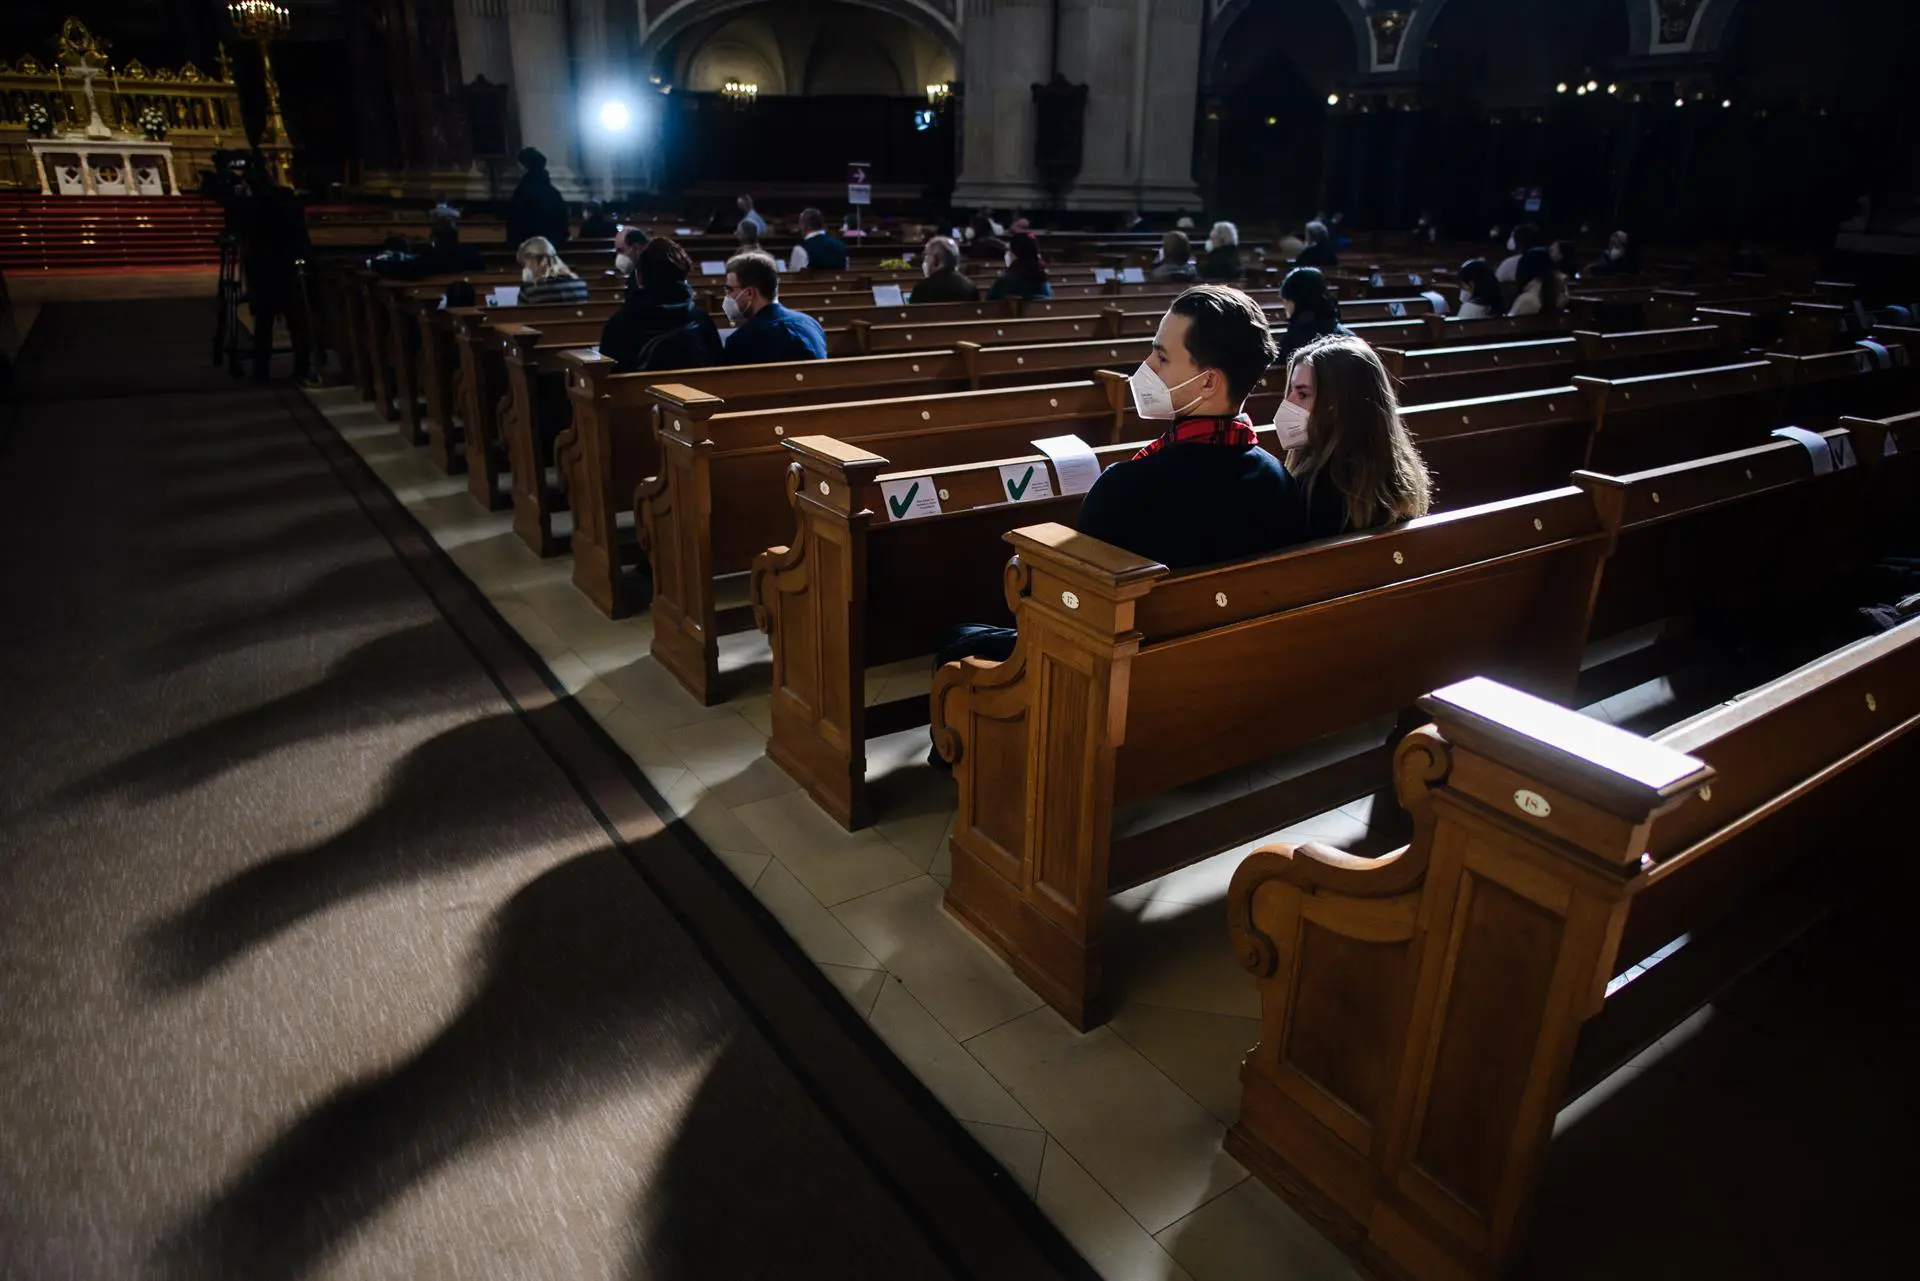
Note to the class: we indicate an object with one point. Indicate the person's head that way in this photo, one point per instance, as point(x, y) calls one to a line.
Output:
point(1537, 268)
point(747, 233)
point(1023, 255)
point(1020, 224)
point(1562, 253)
point(445, 234)
point(744, 204)
point(628, 242)
point(981, 227)
point(1184, 223)
point(1524, 237)
point(1354, 437)
point(1223, 236)
point(539, 260)
point(532, 158)
point(812, 220)
point(1617, 246)
point(591, 207)
point(663, 265)
point(1305, 290)
point(1211, 350)
point(752, 283)
point(1479, 282)
point(1175, 247)
point(1317, 232)
point(941, 254)
point(394, 245)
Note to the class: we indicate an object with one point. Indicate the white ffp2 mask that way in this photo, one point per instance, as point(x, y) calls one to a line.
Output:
point(1290, 425)
point(623, 264)
point(735, 316)
point(1152, 398)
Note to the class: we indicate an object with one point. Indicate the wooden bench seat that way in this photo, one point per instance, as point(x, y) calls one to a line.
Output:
point(874, 340)
point(1491, 368)
point(1425, 1014)
point(717, 501)
point(1115, 691)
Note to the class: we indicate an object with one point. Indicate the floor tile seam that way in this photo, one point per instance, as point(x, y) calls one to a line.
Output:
point(1053, 1141)
point(1204, 1109)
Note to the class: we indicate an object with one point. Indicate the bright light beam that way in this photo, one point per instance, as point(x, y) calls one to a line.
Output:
point(615, 116)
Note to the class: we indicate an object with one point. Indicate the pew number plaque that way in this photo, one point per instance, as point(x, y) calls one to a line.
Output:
point(910, 498)
point(1025, 482)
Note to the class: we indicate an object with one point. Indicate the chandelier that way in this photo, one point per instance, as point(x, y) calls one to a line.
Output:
point(259, 19)
point(741, 92)
point(937, 94)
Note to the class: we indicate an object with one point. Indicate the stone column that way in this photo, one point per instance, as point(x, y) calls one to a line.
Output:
point(1140, 61)
point(480, 28)
point(543, 86)
point(1008, 51)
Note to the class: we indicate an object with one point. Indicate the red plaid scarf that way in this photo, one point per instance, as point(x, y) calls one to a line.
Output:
point(1237, 430)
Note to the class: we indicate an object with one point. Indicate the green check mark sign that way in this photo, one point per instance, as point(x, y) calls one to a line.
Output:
point(1017, 489)
point(901, 505)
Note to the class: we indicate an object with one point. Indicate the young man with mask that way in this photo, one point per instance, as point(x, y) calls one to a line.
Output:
point(1204, 492)
point(940, 262)
point(763, 330)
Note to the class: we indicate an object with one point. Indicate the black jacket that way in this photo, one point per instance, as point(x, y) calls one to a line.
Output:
point(1303, 329)
point(1317, 256)
point(686, 333)
point(435, 261)
point(945, 286)
point(1200, 504)
point(1223, 264)
point(536, 209)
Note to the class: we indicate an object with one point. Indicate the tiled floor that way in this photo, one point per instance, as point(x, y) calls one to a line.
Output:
point(1116, 1134)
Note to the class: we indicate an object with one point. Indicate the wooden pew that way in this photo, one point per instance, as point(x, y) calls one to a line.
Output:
point(874, 340)
point(1115, 692)
point(613, 446)
point(1491, 368)
point(1424, 1015)
point(716, 502)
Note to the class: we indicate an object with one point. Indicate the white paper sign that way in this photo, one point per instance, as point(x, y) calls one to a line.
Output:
point(1073, 461)
point(1134, 275)
point(911, 498)
point(504, 296)
point(1413, 280)
point(713, 268)
point(683, 231)
point(888, 296)
point(779, 264)
point(1025, 482)
point(1396, 309)
point(1438, 299)
point(1101, 275)
point(725, 334)
point(1378, 280)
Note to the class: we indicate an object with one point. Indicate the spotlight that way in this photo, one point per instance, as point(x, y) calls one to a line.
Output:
point(1581, 91)
point(1613, 88)
point(1726, 102)
point(1679, 102)
point(615, 116)
point(1272, 121)
point(1593, 86)
point(1333, 100)
point(1561, 87)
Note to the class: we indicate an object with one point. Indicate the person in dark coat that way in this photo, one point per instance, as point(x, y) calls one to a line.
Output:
point(1026, 273)
point(1312, 311)
point(276, 243)
point(817, 251)
point(764, 331)
point(596, 223)
point(443, 256)
point(1319, 251)
point(943, 283)
point(1222, 263)
point(536, 208)
point(660, 325)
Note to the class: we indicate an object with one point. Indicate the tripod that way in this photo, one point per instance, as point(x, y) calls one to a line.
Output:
point(226, 319)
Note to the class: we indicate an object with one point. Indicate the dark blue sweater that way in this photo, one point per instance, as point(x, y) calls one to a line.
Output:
point(777, 333)
point(1199, 504)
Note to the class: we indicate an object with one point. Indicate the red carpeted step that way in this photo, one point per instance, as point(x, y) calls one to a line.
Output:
point(68, 233)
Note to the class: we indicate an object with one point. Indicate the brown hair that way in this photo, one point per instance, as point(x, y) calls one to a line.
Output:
point(1227, 331)
point(1359, 443)
point(662, 264)
point(1175, 247)
point(756, 270)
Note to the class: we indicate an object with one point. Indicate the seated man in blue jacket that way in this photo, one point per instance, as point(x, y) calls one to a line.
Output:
point(764, 331)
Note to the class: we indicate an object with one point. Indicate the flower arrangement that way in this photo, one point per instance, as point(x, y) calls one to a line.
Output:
point(152, 122)
point(39, 120)
point(894, 264)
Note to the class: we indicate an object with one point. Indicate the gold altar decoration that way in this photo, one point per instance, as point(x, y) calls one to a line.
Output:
point(202, 110)
point(264, 21)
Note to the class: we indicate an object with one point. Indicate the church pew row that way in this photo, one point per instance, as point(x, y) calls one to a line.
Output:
point(1437, 373)
point(715, 503)
point(852, 588)
point(1425, 1014)
point(1114, 691)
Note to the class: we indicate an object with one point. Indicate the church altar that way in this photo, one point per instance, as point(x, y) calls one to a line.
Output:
point(83, 166)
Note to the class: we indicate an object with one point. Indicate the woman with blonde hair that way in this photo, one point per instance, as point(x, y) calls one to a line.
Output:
point(1354, 465)
point(544, 278)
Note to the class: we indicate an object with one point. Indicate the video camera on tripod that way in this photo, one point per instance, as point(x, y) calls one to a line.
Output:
point(263, 247)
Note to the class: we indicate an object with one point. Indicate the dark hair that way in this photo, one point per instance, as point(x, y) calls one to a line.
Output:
point(1306, 289)
point(1479, 283)
point(1317, 232)
point(532, 158)
point(1528, 236)
point(1175, 247)
point(662, 264)
point(1537, 264)
point(747, 232)
point(630, 237)
point(445, 234)
point(1228, 332)
point(812, 219)
point(1026, 255)
point(755, 270)
point(395, 245)
point(982, 227)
